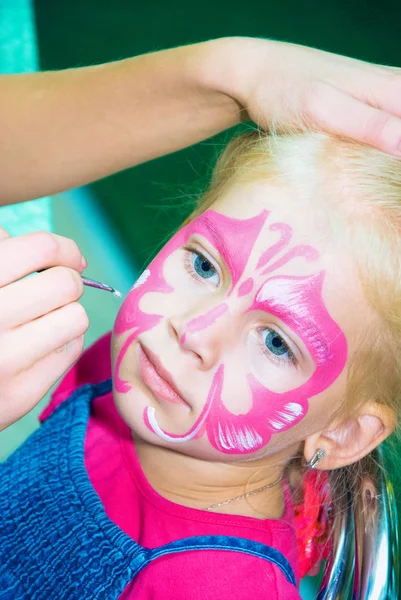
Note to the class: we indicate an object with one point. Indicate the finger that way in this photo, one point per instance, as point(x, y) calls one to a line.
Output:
point(31, 385)
point(22, 347)
point(384, 94)
point(337, 112)
point(31, 298)
point(25, 254)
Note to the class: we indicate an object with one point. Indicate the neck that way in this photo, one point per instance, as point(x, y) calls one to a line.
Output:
point(199, 484)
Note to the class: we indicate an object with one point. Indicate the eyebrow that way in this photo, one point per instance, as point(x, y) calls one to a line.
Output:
point(309, 332)
point(233, 238)
point(304, 325)
point(218, 240)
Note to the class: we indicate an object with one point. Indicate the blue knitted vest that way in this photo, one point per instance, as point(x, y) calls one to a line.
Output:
point(56, 541)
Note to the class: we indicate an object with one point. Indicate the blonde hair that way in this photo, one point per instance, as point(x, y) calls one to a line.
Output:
point(361, 188)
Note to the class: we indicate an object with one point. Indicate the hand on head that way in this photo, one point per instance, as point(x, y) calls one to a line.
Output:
point(281, 84)
point(182, 96)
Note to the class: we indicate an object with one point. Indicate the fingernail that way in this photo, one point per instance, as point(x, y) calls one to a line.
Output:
point(84, 264)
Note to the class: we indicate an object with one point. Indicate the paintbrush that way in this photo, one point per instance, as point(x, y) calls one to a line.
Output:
point(100, 286)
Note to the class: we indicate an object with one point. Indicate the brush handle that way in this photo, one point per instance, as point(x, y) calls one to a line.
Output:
point(100, 286)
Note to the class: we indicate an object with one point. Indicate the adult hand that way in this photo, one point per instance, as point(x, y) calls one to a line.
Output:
point(41, 322)
point(283, 84)
point(94, 121)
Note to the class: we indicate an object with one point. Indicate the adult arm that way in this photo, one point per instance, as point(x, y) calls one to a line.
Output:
point(63, 129)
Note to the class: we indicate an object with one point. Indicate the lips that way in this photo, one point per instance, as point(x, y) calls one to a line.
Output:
point(156, 377)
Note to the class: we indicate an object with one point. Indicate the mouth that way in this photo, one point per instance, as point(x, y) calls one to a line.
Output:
point(157, 378)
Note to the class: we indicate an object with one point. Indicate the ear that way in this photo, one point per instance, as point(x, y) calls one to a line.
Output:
point(348, 439)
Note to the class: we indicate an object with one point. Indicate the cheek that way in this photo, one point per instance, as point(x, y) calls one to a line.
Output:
point(174, 271)
point(275, 376)
point(322, 410)
point(179, 284)
point(235, 394)
point(147, 296)
point(115, 349)
point(330, 402)
point(270, 413)
point(134, 319)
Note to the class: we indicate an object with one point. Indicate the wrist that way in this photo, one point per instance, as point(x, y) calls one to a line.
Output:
point(235, 65)
point(218, 73)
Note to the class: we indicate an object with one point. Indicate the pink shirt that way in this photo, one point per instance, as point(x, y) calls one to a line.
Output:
point(133, 505)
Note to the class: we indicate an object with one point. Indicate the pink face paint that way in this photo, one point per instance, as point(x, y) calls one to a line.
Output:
point(246, 287)
point(270, 412)
point(121, 385)
point(297, 301)
point(204, 321)
point(214, 392)
point(286, 235)
point(208, 319)
point(306, 252)
point(234, 239)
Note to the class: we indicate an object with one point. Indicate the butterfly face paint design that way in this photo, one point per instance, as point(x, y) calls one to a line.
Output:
point(297, 301)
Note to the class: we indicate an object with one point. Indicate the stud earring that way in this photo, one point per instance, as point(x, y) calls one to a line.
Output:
point(316, 458)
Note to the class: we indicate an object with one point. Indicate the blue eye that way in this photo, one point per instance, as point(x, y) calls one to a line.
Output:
point(203, 267)
point(200, 267)
point(276, 345)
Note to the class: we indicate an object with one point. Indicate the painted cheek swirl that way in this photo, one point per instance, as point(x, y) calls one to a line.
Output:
point(198, 428)
point(130, 316)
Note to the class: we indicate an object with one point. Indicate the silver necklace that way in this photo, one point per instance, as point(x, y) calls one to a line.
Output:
point(247, 494)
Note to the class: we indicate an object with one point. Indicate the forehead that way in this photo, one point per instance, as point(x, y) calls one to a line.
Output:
point(288, 226)
point(243, 201)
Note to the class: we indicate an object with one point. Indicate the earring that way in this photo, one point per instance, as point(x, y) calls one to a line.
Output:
point(316, 458)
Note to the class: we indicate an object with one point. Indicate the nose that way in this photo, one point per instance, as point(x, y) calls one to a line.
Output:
point(202, 334)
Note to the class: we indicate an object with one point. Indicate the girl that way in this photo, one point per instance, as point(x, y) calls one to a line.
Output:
point(266, 330)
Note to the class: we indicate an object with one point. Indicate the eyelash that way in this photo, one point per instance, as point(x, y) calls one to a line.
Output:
point(291, 358)
point(189, 252)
